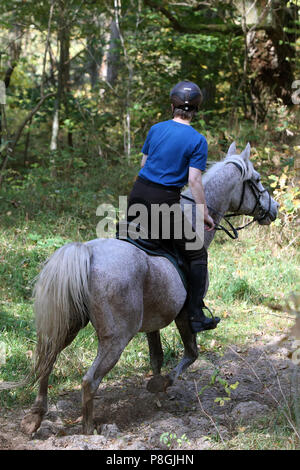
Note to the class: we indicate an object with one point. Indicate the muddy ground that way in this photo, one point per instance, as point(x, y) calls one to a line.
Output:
point(128, 417)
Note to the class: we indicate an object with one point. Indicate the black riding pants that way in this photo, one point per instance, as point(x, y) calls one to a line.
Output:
point(148, 193)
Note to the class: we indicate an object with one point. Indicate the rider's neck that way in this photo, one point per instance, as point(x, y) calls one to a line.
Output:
point(182, 121)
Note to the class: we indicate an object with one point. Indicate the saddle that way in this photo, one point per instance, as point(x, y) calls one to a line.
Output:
point(164, 248)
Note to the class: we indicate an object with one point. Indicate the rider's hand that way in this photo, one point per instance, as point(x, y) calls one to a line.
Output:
point(209, 224)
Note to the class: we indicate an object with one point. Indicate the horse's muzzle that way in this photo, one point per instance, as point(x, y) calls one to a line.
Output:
point(270, 216)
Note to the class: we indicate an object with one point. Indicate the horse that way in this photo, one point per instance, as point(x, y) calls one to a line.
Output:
point(122, 290)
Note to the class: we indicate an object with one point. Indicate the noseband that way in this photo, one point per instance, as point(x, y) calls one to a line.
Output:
point(257, 193)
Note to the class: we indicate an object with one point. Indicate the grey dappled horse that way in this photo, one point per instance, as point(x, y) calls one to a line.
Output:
point(123, 291)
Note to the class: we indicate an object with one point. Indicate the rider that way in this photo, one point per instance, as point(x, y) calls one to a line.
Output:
point(175, 154)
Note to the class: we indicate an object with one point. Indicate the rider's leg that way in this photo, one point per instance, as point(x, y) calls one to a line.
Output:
point(197, 286)
point(197, 259)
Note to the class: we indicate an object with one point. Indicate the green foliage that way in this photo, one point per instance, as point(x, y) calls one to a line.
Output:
point(216, 379)
point(286, 193)
point(171, 440)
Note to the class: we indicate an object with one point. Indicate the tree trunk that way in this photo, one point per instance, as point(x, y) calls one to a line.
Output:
point(63, 85)
point(95, 52)
point(15, 47)
point(55, 128)
point(113, 56)
point(270, 53)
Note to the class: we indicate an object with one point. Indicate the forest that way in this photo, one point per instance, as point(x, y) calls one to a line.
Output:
point(81, 83)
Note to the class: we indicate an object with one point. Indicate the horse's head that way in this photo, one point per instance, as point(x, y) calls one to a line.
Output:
point(250, 197)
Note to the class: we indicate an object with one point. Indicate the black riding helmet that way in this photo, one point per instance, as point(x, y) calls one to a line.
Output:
point(186, 95)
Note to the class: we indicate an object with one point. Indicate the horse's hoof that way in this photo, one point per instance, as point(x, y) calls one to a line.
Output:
point(159, 383)
point(31, 422)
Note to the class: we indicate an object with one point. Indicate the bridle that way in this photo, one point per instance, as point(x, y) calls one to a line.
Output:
point(257, 193)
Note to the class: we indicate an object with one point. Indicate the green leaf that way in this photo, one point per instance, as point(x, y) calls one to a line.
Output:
point(234, 386)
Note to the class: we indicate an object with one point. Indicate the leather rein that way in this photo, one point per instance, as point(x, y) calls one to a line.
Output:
point(257, 195)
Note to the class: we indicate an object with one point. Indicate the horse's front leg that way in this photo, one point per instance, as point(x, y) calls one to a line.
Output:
point(155, 351)
point(158, 383)
point(190, 345)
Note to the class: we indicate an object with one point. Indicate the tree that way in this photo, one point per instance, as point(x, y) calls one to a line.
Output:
point(270, 54)
point(269, 46)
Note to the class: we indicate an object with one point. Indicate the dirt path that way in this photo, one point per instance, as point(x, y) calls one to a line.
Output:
point(129, 417)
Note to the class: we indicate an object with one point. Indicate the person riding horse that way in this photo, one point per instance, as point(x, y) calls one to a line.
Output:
point(175, 154)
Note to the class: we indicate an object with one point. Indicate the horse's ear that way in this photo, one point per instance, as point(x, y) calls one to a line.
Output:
point(246, 152)
point(231, 150)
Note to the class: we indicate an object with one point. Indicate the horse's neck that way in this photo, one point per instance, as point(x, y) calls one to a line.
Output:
point(218, 193)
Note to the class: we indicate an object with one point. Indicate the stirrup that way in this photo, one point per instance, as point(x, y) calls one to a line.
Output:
point(199, 325)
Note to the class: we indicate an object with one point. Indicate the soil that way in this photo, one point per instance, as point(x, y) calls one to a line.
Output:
point(129, 417)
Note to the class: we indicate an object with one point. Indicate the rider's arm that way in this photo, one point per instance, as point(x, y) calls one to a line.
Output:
point(144, 158)
point(196, 186)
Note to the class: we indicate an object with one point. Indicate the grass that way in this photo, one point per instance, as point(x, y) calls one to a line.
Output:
point(265, 433)
point(40, 213)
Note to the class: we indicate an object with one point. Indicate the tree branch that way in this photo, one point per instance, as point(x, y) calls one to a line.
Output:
point(228, 28)
point(17, 135)
point(47, 45)
point(28, 118)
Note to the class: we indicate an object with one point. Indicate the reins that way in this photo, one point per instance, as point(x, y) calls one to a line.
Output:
point(219, 226)
point(234, 235)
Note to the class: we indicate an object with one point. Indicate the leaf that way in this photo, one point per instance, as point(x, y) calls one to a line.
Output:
point(221, 401)
point(234, 386)
point(214, 376)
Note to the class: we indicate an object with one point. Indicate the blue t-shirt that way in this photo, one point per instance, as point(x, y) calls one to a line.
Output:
point(172, 148)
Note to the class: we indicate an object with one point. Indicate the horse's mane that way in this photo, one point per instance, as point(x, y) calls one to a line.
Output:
point(246, 165)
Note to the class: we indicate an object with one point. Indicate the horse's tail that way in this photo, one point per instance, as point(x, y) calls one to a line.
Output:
point(61, 306)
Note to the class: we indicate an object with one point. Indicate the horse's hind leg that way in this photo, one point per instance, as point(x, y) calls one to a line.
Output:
point(32, 420)
point(190, 346)
point(109, 351)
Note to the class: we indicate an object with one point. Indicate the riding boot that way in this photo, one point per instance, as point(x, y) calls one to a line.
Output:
point(197, 284)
